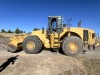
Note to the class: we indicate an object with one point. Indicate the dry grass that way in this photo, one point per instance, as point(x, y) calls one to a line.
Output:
point(1, 35)
point(7, 34)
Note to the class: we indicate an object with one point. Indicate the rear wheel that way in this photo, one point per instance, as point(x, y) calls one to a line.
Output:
point(72, 45)
point(32, 45)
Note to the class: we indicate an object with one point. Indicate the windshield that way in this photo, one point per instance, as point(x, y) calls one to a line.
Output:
point(54, 25)
point(59, 22)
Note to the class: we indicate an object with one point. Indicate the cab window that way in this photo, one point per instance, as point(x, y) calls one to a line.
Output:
point(54, 24)
point(93, 35)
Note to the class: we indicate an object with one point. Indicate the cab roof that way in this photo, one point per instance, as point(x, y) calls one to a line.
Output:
point(54, 16)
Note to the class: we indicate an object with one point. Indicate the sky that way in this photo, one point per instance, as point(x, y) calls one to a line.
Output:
point(30, 14)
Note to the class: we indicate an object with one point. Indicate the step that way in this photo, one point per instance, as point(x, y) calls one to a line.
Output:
point(56, 41)
point(56, 38)
point(55, 47)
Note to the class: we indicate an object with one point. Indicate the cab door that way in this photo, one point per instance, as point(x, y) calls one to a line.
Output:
point(54, 32)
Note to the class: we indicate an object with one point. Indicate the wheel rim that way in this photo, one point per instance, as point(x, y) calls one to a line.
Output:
point(73, 46)
point(30, 45)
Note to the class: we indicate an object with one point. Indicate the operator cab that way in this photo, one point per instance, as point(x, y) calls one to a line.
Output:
point(54, 24)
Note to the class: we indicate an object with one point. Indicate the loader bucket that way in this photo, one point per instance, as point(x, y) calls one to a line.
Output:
point(16, 42)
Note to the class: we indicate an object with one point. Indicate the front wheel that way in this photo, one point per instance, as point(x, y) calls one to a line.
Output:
point(72, 45)
point(32, 45)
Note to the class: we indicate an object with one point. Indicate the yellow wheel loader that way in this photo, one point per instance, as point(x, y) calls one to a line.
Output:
point(57, 37)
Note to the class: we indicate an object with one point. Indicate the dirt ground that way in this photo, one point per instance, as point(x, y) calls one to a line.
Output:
point(44, 63)
point(48, 63)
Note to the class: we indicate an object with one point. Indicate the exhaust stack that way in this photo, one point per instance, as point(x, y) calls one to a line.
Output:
point(79, 24)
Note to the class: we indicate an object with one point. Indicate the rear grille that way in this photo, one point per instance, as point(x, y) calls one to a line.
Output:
point(85, 35)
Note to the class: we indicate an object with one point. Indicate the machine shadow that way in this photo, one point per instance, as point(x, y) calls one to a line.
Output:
point(10, 60)
point(55, 51)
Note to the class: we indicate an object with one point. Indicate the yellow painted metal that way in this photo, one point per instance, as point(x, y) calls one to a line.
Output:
point(54, 40)
point(30, 45)
point(92, 40)
point(68, 33)
point(73, 46)
point(42, 37)
point(51, 40)
point(48, 42)
point(16, 41)
point(98, 44)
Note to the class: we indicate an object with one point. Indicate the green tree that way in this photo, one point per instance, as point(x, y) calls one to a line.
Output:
point(35, 29)
point(24, 32)
point(9, 31)
point(17, 31)
point(21, 31)
point(3, 31)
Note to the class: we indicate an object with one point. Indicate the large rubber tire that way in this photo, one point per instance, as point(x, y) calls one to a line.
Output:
point(36, 41)
point(66, 43)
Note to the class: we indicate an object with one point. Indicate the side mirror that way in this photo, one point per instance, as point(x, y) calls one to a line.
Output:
point(42, 30)
point(98, 36)
point(64, 25)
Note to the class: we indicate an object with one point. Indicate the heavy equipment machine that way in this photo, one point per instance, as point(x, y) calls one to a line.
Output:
point(57, 37)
